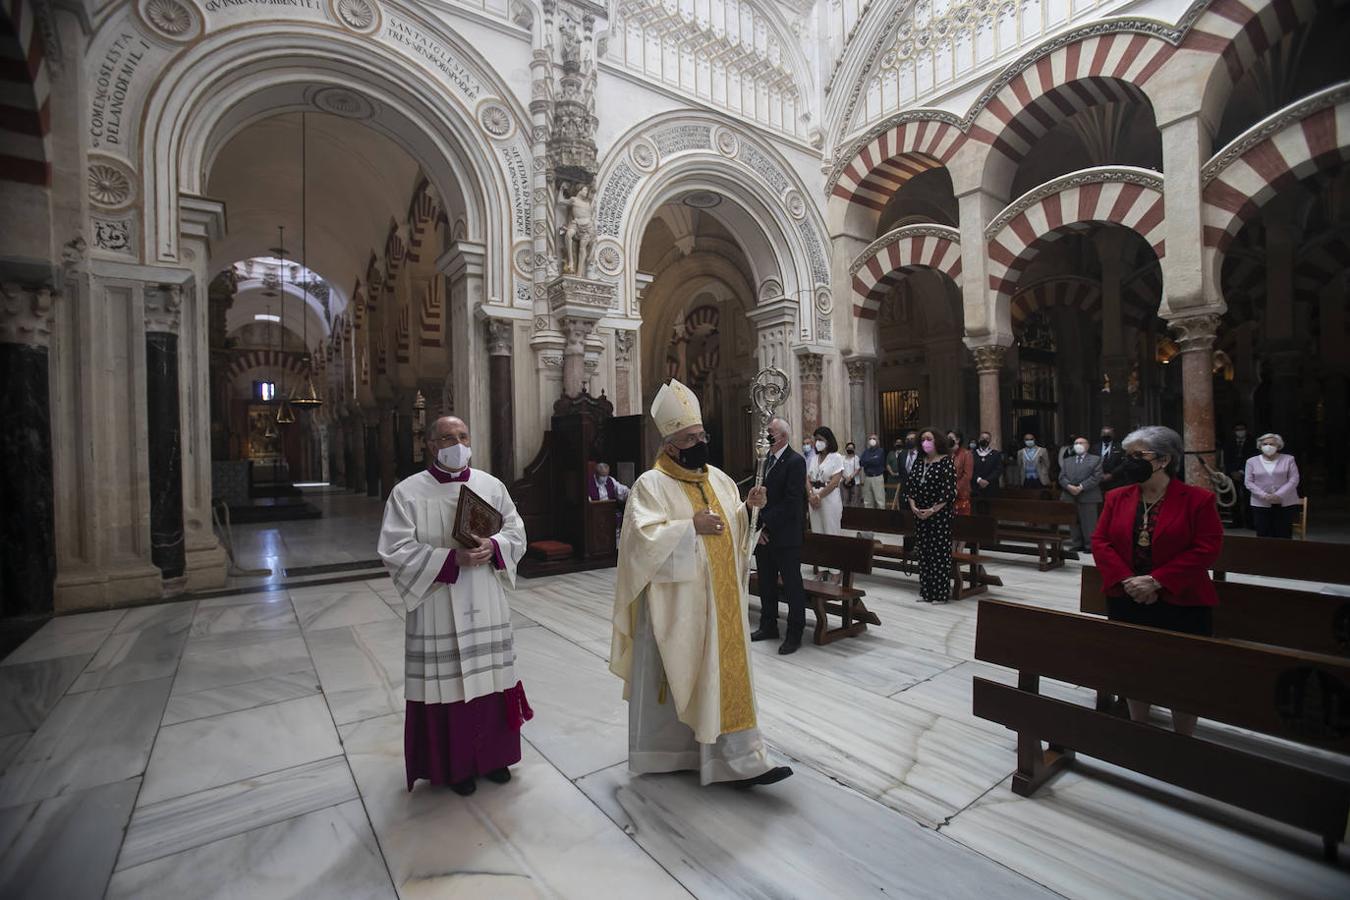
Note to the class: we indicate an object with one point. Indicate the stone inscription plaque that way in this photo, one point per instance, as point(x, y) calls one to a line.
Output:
point(427, 48)
point(111, 99)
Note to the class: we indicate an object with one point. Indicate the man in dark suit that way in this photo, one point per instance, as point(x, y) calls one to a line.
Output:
point(1112, 455)
point(1239, 447)
point(779, 553)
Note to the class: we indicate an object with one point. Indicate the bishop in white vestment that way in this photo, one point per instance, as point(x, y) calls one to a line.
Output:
point(465, 703)
point(681, 629)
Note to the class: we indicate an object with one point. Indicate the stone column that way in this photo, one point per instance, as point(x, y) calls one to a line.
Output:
point(810, 368)
point(463, 266)
point(578, 304)
point(27, 531)
point(859, 372)
point(337, 452)
point(163, 310)
point(500, 343)
point(388, 469)
point(1110, 243)
point(1188, 280)
point(1286, 354)
point(1332, 304)
point(624, 342)
point(1195, 336)
point(989, 361)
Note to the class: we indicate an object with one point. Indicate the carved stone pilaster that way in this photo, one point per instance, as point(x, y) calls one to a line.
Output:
point(25, 314)
point(810, 367)
point(624, 341)
point(163, 309)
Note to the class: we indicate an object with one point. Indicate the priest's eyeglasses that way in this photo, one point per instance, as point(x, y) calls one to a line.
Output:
point(690, 440)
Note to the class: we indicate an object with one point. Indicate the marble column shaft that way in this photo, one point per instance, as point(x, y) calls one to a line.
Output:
point(500, 338)
point(167, 548)
point(27, 530)
point(989, 362)
point(859, 424)
point(1195, 337)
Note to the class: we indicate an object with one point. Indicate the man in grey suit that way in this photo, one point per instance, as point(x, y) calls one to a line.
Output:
point(1080, 479)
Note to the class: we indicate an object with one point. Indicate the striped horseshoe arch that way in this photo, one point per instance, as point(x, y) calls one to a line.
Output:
point(1308, 136)
point(1240, 31)
point(266, 359)
point(1119, 195)
point(1101, 68)
point(891, 156)
point(894, 255)
point(25, 112)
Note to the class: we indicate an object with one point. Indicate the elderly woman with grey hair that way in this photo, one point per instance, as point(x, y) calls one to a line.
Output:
point(1272, 481)
point(1155, 543)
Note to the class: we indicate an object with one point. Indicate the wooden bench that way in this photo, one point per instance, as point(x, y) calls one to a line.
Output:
point(1289, 694)
point(1018, 493)
point(1323, 561)
point(1039, 522)
point(1301, 620)
point(849, 556)
point(973, 531)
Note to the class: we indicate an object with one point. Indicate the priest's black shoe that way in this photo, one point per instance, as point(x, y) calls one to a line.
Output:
point(773, 776)
point(791, 644)
point(464, 788)
point(499, 776)
point(762, 634)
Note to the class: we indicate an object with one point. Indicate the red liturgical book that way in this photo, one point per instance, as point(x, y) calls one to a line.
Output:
point(474, 518)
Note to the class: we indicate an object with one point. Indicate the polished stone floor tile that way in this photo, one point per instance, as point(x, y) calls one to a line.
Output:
point(1106, 832)
point(28, 691)
point(361, 668)
point(64, 847)
point(89, 739)
point(338, 606)
point(327, 853)
point(234, 658)
point(537, 836)
point(214, 620)
point(141, 648)
point(580, 718)
point(171, 826)
point(74, 635)
point(10, 745)
point(277, 597)
point(205, 753)
point(234, 697)
point(803, 837)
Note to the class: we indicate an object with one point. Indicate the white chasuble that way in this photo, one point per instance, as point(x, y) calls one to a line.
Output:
point(693, 590)
point(459, 640)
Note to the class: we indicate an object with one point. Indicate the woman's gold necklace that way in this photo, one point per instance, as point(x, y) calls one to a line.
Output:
point(1144, 538)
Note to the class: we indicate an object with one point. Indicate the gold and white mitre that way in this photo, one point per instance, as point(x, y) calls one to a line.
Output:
point(675, 408)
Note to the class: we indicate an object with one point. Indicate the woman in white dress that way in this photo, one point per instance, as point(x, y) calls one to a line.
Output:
point(824, 479)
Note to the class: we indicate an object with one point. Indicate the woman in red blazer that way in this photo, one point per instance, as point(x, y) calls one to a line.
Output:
point(1155, 543)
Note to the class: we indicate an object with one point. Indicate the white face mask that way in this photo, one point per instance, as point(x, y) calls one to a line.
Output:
point(1269, 449)
point(820, 446)
point(454, 457)
point(871, 442)
point(1080, 449)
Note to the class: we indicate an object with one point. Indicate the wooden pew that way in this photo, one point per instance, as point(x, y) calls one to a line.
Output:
point(848, 556)
point(1040, 522)
point(1018, 493)
point(973, 531)
point(1289, 694)
point(1300, 620)
point(1323, 561)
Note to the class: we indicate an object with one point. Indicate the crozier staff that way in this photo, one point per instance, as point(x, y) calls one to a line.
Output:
point(465, 703)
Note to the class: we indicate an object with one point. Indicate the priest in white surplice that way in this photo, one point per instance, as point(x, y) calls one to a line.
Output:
point(465, 704)
point(681, 630)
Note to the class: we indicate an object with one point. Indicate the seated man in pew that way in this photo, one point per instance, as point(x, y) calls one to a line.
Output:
point(1155, 543)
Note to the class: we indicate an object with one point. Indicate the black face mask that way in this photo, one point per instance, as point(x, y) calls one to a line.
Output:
point(1108, 437)
point(983, 443)
point(1135, 469)
point(695, 457)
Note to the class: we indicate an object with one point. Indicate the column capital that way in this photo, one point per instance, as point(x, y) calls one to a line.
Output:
point(1195, 332)
point(500, 336)
point(810, 366)
point(858, 367)
point(25, 314)
point(163, 308)
point(575, 330)
point(624, 341)
point(990, 357)
point(463, 256)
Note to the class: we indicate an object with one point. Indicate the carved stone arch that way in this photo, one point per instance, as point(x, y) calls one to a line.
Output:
point(1132, 198)
point(1307, 136)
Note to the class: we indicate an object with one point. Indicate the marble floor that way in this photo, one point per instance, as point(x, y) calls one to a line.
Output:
point(250, 746)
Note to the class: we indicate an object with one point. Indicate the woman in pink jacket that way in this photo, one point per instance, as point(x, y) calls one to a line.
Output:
point(1272, 479)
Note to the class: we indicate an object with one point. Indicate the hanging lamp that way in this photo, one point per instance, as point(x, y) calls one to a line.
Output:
point(305, 395)
point(285, 415)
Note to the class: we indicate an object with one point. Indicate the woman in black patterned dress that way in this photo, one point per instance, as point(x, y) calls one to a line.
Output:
point(931, 491)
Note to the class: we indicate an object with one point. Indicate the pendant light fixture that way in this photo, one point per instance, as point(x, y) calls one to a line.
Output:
point(304, 394)
point(285, 415)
